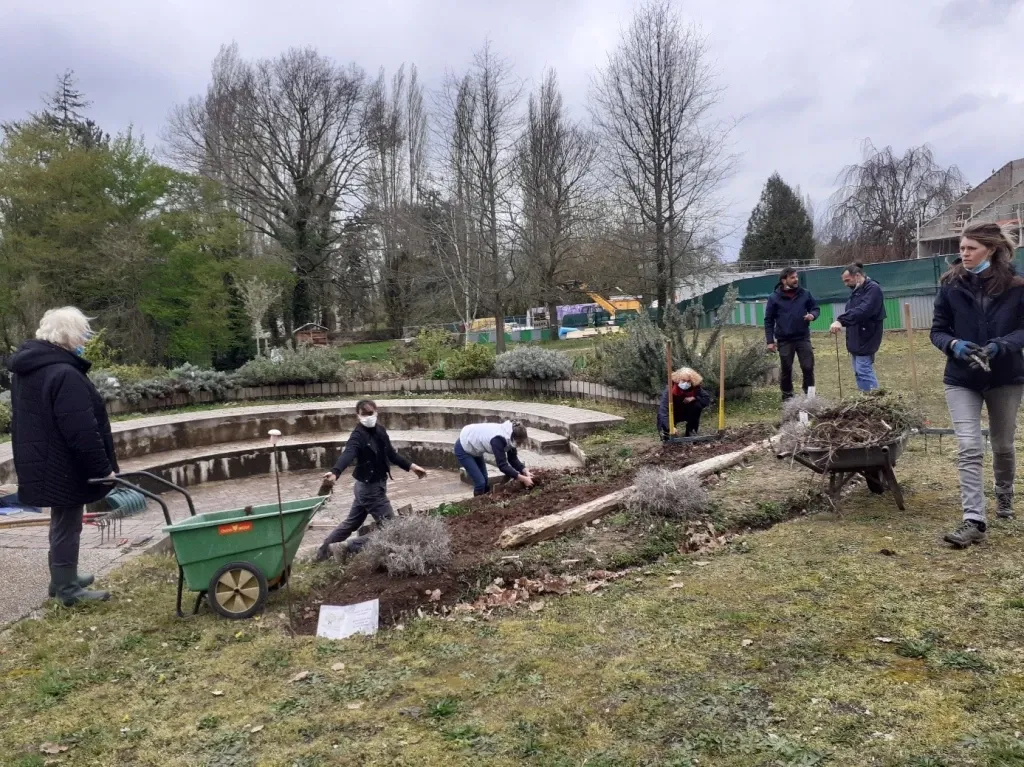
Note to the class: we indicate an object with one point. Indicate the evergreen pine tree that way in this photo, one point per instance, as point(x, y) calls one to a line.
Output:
point(779, 228)
point(64, 113)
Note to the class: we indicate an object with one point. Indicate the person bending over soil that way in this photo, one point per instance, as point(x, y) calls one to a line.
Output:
point(688, 402)
point(500, 440)
point(369, 446)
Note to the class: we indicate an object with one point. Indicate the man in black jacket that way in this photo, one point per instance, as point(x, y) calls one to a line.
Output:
point(787, 329)
point(61, 439)
point(369, 446)
point(863, 319)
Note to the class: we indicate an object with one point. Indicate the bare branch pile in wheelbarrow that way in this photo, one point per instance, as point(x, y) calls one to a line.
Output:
point(864, 421)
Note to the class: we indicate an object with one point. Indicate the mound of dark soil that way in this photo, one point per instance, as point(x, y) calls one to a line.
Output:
point(475, 533)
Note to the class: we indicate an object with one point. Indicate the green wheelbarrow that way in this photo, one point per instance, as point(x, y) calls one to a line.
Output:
point(233, 558)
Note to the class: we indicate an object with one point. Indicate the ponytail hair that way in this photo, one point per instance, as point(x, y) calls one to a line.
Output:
point(855, 269)
point(519, 436)
point(1001, 274)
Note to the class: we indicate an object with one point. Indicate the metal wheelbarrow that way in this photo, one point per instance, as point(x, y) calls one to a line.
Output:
point(874, 463)
point(233, 558)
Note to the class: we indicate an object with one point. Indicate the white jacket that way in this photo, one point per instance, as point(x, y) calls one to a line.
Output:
point(476, 438)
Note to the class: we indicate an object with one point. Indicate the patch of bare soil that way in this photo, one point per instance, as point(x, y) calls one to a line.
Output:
point(475, 533)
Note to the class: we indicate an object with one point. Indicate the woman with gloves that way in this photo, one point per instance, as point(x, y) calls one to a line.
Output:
point(979, 324)
point(688, 402)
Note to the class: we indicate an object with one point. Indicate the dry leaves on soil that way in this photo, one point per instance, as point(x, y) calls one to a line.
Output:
point(505, 594)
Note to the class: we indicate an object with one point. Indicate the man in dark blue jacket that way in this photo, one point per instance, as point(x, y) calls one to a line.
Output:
point(787, 329)
point(862, 318)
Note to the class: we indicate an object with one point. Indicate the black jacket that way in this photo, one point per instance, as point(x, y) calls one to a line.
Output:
point(700, 397)
point(373, 455)
point(784, 315)
point(60, 430)
point(964, 313)
point(863, 318)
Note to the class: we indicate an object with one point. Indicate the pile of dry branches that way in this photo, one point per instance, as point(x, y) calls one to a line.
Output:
point(870, 420)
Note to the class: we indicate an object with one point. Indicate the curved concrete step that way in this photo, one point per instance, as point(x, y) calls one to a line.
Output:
point(553, 425)
point(234, 460)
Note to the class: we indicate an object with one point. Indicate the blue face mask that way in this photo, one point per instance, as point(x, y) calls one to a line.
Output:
point(981, 267)
point(79, 350)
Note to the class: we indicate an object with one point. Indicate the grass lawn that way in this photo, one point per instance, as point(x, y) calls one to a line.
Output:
point(366, 352)
point(851, 638)
point(770, 651)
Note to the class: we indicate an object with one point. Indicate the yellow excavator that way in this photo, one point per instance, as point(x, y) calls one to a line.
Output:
point(613, 305)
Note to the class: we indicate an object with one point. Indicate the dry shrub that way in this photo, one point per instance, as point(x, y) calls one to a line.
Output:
point(792, 436)
point(667, 495)
point(812, 405)
point(406, 546)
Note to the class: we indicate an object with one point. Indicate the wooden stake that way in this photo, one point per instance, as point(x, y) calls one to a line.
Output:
point(909, 322)
point(721, 385)
point(671, 409)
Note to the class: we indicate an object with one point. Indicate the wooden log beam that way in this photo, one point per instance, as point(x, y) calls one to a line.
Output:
point(553, 525)
point(37, 522)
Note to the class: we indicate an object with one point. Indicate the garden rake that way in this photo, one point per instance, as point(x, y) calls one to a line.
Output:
point(118, 504)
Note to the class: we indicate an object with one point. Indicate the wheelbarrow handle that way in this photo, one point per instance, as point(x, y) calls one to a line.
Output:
point(165, 483)
point(117, 480)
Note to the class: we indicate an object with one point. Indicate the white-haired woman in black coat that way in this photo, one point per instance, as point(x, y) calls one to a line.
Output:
point(61, 439)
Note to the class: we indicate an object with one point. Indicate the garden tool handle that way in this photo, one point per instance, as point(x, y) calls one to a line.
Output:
point(165, 483)
point(117, 480)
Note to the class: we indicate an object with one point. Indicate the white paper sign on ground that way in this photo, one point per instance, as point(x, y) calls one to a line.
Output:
point(340, 621)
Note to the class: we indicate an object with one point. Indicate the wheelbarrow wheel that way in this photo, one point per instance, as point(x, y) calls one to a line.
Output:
point(875, 481)
point(238, 590)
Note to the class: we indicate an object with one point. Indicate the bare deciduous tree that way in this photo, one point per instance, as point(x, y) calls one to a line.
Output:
point(388, 173)
point(664, 155)
point(485, 124)
point(875, 211)
point(285, 137)
point(556, 160)
point(257, 298)
point(416, 133)
point(456, 220)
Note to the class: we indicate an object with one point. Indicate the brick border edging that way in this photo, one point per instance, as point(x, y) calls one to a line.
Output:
point(574, 388)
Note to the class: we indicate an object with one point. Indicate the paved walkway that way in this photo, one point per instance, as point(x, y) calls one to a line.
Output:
point(23, 550)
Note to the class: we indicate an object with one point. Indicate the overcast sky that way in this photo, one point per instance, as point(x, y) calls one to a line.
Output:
point(807, 80)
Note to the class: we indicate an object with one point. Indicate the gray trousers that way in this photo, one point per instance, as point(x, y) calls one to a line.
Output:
point(965, 412)
point(65, 535)
point(371, 499)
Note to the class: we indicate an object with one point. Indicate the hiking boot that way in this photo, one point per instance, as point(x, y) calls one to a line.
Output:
point(68, 591)
point(967, 532)
point(1004, 505)
point(83, 579)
